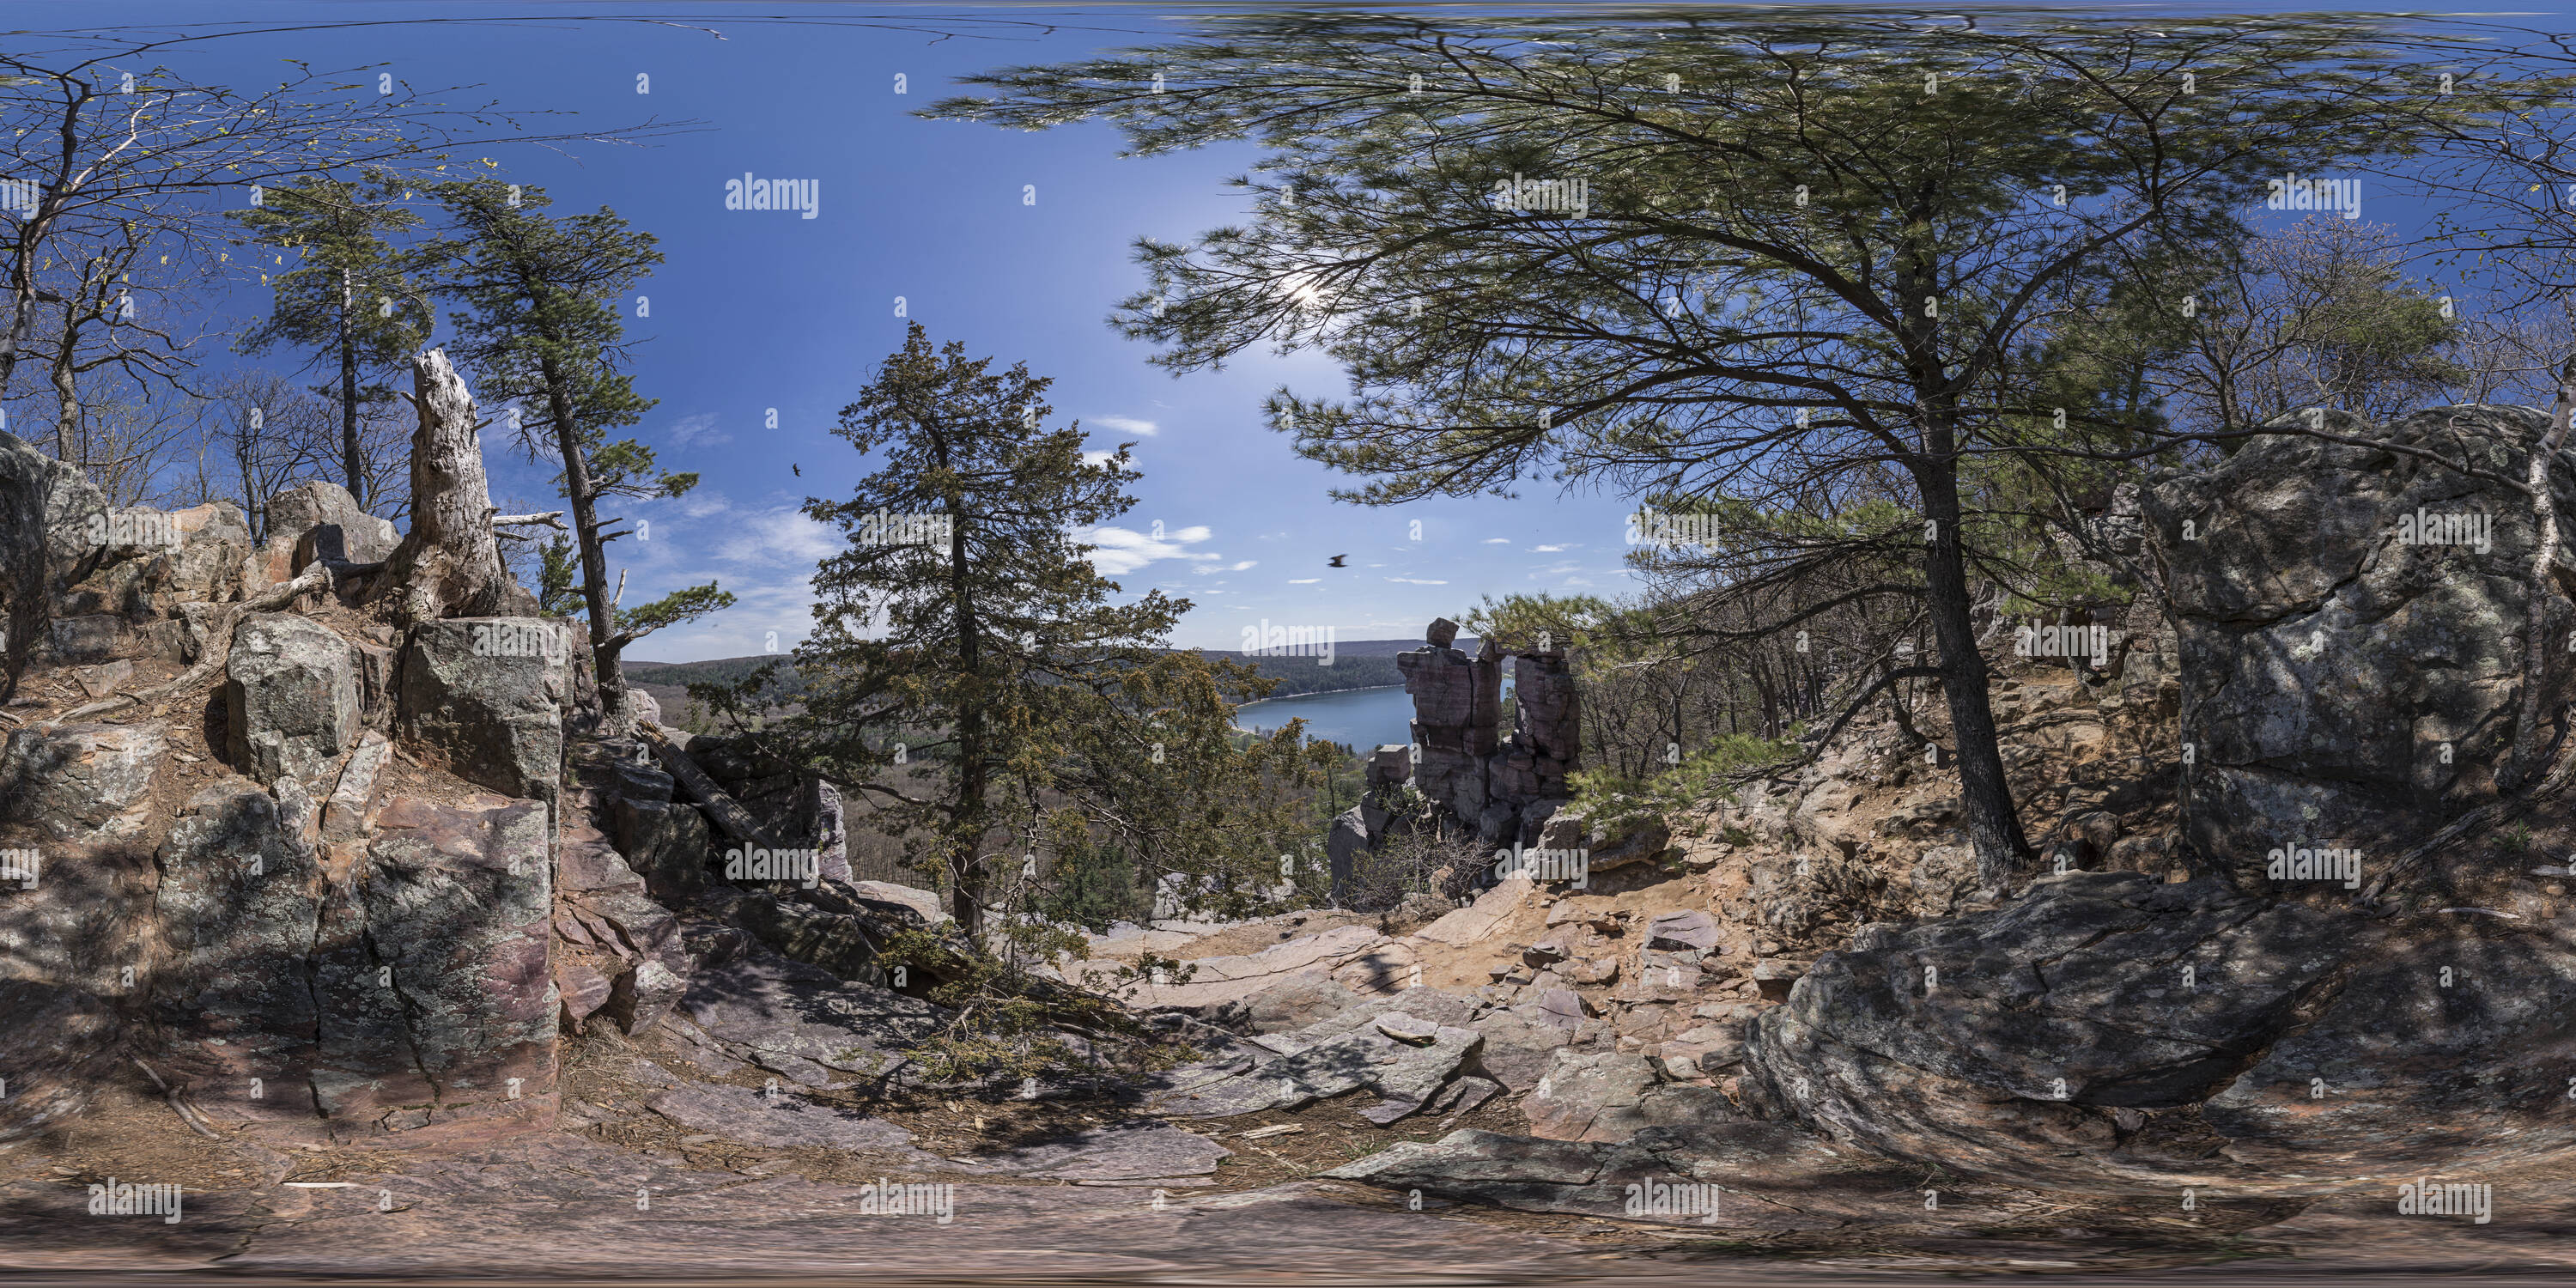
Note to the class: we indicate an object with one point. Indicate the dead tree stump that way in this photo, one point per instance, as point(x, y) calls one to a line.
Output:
point(449, 564)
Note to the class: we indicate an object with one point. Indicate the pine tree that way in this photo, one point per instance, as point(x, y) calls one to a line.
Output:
point(541, 328)
point(964, 629)
point(349, 298)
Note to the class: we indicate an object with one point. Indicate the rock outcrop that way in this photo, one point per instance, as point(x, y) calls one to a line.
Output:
point(2350, 633)
point(1483, 778)
point(2112, 1029)
point(80, 781)
point(490, 696)
point(388, 981)
point(1498, 788)
point(317, 519)
point(46, 511)
point(291, 702)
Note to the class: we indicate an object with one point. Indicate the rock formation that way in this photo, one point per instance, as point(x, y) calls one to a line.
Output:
point(2351, 623)
point(1497, 787)
point(1482, 777)
point(329, 872)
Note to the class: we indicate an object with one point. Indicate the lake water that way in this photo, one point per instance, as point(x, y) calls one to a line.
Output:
point(1364, 718)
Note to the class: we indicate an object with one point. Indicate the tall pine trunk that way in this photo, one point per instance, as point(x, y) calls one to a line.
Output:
point(349, 462)
point(1985, 796)
point(617, 711)
point(966, 821)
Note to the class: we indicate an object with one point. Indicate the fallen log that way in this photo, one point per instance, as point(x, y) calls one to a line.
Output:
point(728, 813)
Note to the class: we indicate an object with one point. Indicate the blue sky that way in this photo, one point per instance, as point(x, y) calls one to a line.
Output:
point(756, 311)
point(760, 310)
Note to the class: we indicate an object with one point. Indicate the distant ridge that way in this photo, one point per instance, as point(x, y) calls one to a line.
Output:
point(735, 666)
point(1357, 664)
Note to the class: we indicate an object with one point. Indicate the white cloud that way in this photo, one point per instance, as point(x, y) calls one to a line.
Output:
point(1245, 564)
point(777, 536)
point(784, 607)
point(1417, 581)
point(1128, 425)
point(1304, 581)
point(1098, 458)
point(1547, 550)
point(1122, 551)
point(1498, 541)
point(698, 431)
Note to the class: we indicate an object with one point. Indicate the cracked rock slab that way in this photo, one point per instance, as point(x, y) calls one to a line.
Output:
point(777, 1121)
point(1132, 1151)
point(777, 1011)
point(1395, 1070)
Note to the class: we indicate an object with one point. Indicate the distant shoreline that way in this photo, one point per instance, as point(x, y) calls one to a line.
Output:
point(1291, 697)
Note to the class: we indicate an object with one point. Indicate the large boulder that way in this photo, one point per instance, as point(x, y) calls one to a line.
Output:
point(206, 568)
point(239, 906)
point(432, 975)
point(2445, 1048)
point(2350, 632)
point(490, 696)
point(80, 781)
point(291, 696)
point(317, 519)
point(76, 891)
point(665, 842)
point(46, 508)
point(2110, 1029)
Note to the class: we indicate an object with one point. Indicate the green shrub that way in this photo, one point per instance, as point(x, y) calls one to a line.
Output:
point(1619, 803)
